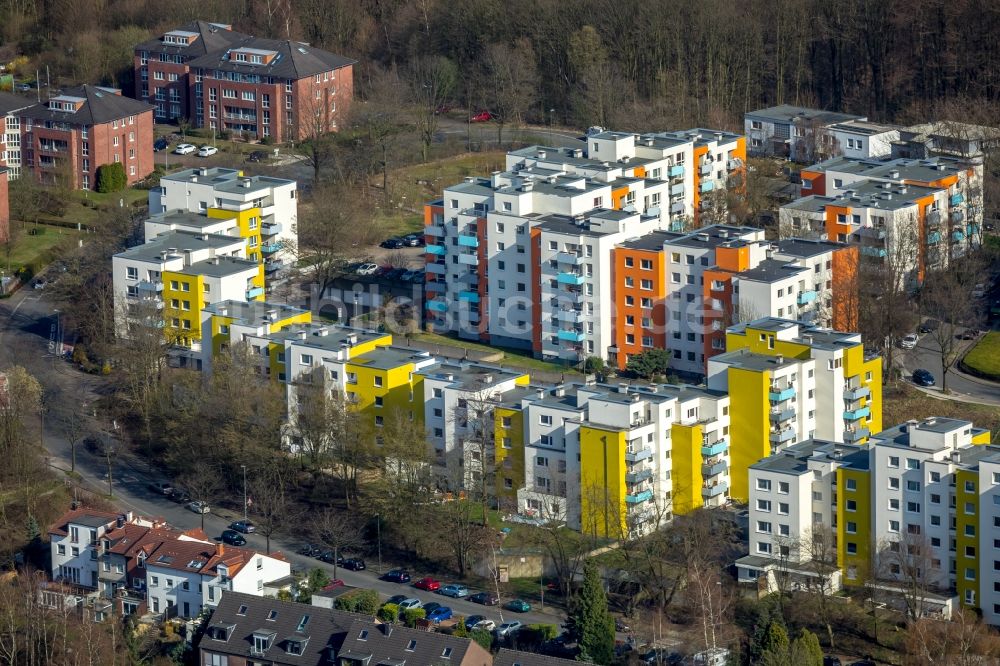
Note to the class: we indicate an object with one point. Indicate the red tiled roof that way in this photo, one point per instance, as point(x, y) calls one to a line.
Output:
point(61, 526)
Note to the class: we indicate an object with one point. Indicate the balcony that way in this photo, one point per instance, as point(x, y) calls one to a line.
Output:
point(779, 415)
point(637, 455)
point(714, 449)
point(782, 436)
point(468, 259)
point(734, 164)
point(677, 190)
point(933, 217)
point(270, 229)
point(677, 208)
point(574, 296)
point(436, 249)
point(958, 235)
point(934, 238)
point(957, 216)
point(777, 394)
point(271, 248)
point(151, 287)
point(437, 305)
point(852, 394)
point(436, 287)
point(639, 498)
point(470, 296)
point(956, 199)
point(437, 268)
point(570, 315)
point(855, 414)
point(637, 477)
point(571, 258)
point(705, 169)
point(468, 240)
point(805, 297)
point(434, 230)
point(677, 171)
point(707, 186)
point(713, 467)
point(710, 490)
point(855, 435)
point(272, 266)
point(571, 278)
point(873, 251)
point(254, 292)
point(571, 335)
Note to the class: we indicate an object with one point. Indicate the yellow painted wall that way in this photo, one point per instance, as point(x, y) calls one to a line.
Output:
point(748, 426)
point(861, 516)
point(874, 367)
point(602, 481)
point(398, 391)
point(188, 292)
point(980, 438)
point(509, 451)
point(685, 455)
point(751, 340)
point(242, 218)
point(962, 540)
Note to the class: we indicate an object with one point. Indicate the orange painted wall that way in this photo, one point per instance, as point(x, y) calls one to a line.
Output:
point(429, 212)
point(658, 294)
point(536, 290)
point(835, 228)
point(740, 153)
point(618, 197)
point(733, 259)
point(639, 172)
point(699, 152)
point(923, 205)
point(816, 179)
point(845, 289)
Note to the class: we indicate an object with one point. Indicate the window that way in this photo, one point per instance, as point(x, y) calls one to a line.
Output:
point(913, 486)
point(852, 528)
point(894, 526)
point(852, 548)
point(764, 505)
point(912, 463)
point(763, 484)
point(852, 505)
point(783, 508)
point(763, 527)
point(132, 273)
point(970, 486)
point(894, 461)
point(851, 484)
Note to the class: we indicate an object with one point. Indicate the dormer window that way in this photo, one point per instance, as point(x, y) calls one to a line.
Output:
point(242, 610)
point(293, 647)
point(363, 636)
point(272, 615)
point(446, 653)
point(411, 646)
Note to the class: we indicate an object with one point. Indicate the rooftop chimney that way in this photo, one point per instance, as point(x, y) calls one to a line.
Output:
point(560, 390)
point(302, 334)
point(221, 550)
point(623, 387)
point(203, 171)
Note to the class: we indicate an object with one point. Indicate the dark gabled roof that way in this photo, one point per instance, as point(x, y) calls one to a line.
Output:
point(324, 629)
point(100, 106)
point(211, 37)
point(388, 643)
point(9, 102)
point(507, 657)
point(295, 60)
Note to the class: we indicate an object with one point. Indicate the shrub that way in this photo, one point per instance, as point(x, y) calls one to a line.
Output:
point(411, 615)
point(483, 637)
point(364, 602)
point(111, 178)
point(389, 613)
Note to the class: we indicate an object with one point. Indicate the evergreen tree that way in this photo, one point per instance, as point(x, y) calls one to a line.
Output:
point(649, 364)
point(806, 650)
point(589, 621)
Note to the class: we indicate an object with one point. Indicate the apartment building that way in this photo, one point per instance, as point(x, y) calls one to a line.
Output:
point(924, 212)
point(4, 204)
point(946, 139)
point(73, 133)
point(10, 132)
point(228, 81)
point(789, 382)
point(795, 132)
point(287, 633)
point(915, 509)
point(860, 139)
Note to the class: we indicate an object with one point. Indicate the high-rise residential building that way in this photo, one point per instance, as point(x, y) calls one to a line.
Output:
point(913, 512)
point(215, 77)
point(795, 132)
point(789, 382)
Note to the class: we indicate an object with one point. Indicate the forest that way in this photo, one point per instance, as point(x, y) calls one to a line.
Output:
point(636, 64)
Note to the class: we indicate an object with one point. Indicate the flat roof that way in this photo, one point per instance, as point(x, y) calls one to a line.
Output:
point(254, 312)
point(188, 219)
point(325, 336)
point(748, 360)
point(470, 376)
point(713, 236)
point(220, 267)
point(806, 247)
point(772, 270)
point(654, 240)
point(386, 358)
point(211, 175)
point(178, 241)
point(788, 113)
point(864, 127)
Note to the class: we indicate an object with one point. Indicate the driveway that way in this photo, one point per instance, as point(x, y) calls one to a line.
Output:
point(961, 386)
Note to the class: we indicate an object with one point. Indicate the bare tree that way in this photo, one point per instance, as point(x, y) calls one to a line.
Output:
point(340, 531)
point(509, 80)
point(819, 547)
point(709, 601)
point(945, 297)
point(431, 82)
point(474, 419)
point(965, 640)
point(203, 484)
point(269, 500)
point(467, 535)
point(320, 418)
point(908, 560)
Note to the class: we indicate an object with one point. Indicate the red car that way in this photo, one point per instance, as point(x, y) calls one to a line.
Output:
point(428, 584)
point(482, 117)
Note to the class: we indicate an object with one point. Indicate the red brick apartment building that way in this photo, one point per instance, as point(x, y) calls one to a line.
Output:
point(81, 129)
point(225, 80)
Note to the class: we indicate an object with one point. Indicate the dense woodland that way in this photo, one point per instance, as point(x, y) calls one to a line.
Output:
point(627, 63)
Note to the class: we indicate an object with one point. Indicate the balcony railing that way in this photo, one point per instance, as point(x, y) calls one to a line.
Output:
point(714, 449)
point(571, 258)
point(707, 186)
point(636, 455)
point(853, 394)
point(436, 249)
point(705, 169)
point(254, 292)
point(270, 229)
point(566, 277)
point(956, 199)
point(855, 414)
point(434, 230)
point(570, 315)
point(806, 297)
point(713, 468)
point(855, 435)
point(638, 477)
point(437, 268)
point(151, 287)
point(777, 394)
point(470, 296)
point(437, 305)
point(782, 436)
point(467, 240)
point(639, 498)
point(271, 248)
point(571, 335)
point(709, 490)
point(779, 415)
point(468, 259)
point(677, 171)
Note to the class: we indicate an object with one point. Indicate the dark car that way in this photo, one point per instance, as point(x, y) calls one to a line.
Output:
point(310, 549)
point(394, 274)
point(326, 556)
point(179, 495)
point(397, 576)
point(413, 240)
point(161, 144)
point(864, 662)
point(928, 326)
point(831, 661)
point(396, 598)
point(353, 564)
point(471, 620)
point(432, 606)
point(161, 488)
point(969, 334)
point(392, 244)
point(923, 377)
point(484, 598)
point(233, 538)
point(257, 156)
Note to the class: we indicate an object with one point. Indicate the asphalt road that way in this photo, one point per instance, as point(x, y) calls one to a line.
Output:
point(927, 356)
point(27, 326)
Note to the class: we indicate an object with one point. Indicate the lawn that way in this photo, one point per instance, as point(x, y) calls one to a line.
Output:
point(983, 360)
point(903, 402)
point(511, 357)
point(36, 250)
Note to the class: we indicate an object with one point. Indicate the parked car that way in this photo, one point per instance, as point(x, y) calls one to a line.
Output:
point(413, 240)
point(161, 144)
point(439, 614)
point(207, 151)
point(257, 156)
point(397, 576)
point(392, 243)
point(233, 538)
point(179, 495)
point(311, 550)
point(412, 602)
point(326, 556)
point(923, 377)
point(161, 487)
point(829, 660)
point(485, 624)
point(394, 274)
point(429, 608)
point(482, 117)
point(396, 599)
point(366, 269)
point(353, 564)
point(473, 620)
point(909, 341)
point(518, 605)
point(199, 507)
point(412, 276)
point(184, 149)
point(484, 598)
point(864, 662)
point(968, 334)
point(509, 628)
point(103, 445)
point(454, 591)
point(428, 584)
point(244, 526)
point(928, 326)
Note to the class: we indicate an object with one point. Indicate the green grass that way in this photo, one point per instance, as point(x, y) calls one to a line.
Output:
point(511, 357)
point(36, 250)
point(903, 402)
point(984, 358)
